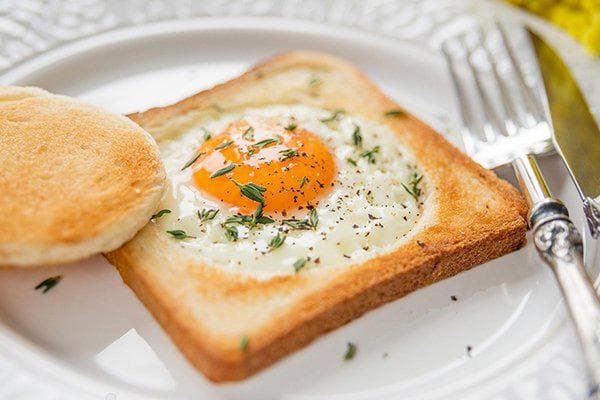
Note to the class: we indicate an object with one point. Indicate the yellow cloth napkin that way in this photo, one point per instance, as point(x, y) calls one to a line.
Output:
point(581, 18)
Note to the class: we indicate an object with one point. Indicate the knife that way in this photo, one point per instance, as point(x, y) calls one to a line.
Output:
point(576, 134)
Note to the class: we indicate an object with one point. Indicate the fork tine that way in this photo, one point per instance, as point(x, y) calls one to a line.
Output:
point(470, 138)
point(494, 123)
point(512, 116)
point(532, 103)
point(500, 123)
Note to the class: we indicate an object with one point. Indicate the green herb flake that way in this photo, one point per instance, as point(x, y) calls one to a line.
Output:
point(217, 107)
point(333, 116)
point(179, 234)
point(314, 81)
point(394, 113)
point(356, 136)
point(370, 154)
point(277, 242)
point(223, 171)
point(192, 160)
point(249, 221)
point(244, 342)
point(303, 224)
point(252, 191)
point(248, 134)
point(237, 219)
point(297, 224)
point(231, 232)
point(259, 218)
point(313, 218)
point(350, 351)
point(291, 126)
point(288, 153)
point(207, 135)
point(160, 214)
point(264, 143)
point(303, 181)
point(299, 264)
point(414, 190)
point(48, 283)
point(207, 214)
point(224, 145)
point(351, 161)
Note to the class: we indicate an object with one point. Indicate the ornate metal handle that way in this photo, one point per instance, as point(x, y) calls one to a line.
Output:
point(591, 208)
point(560, 246)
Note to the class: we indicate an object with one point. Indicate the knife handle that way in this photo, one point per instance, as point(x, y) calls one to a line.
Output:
point(559, 244)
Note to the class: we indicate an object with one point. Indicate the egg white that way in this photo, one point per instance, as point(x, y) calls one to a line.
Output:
point(367, 212)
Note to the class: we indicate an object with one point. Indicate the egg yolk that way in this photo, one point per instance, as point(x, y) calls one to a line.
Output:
point(293, 165)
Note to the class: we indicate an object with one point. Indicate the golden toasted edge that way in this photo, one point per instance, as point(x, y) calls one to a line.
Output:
point(18, 255)
point(380, 280)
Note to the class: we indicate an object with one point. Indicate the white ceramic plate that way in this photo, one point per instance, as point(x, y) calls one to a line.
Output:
point(91, 336)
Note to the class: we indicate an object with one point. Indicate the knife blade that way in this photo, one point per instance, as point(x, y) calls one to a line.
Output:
point(576, 133)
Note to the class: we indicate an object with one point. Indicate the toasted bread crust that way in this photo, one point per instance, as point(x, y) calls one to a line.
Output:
point(75, 180)
point(473, 217)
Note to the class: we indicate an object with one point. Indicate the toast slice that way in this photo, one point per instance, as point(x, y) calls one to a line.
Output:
point(231, 325)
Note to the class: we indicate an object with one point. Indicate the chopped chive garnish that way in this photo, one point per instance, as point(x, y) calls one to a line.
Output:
point(223, 171)
point(333, 116)
point(350, 351)
point(394, 113)
point(351, 161)
point(252, 191)
point(277, 242)
point(414, 190)
point(207, 214)
point(291, 126)
point(370, 154)
point(356, 136)
point(160, 213)
point(192, 160)
point(48, 283)
point(264, 143)
point(299, 264)
point(224, 145)
point(244, 342)
point(248, 134)
point(288, 153)
point(179, 234)
point(303, 181)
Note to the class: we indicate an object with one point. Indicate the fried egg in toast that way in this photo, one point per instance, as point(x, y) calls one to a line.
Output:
point(299, 197)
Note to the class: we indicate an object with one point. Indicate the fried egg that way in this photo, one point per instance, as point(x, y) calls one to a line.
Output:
point(284, 189)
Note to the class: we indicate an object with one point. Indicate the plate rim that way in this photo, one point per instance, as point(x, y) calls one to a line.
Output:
point(54, 55)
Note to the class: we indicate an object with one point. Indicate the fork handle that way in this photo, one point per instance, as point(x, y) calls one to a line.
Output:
point(560, 246)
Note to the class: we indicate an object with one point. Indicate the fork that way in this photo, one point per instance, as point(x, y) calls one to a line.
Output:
point(504, 122)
